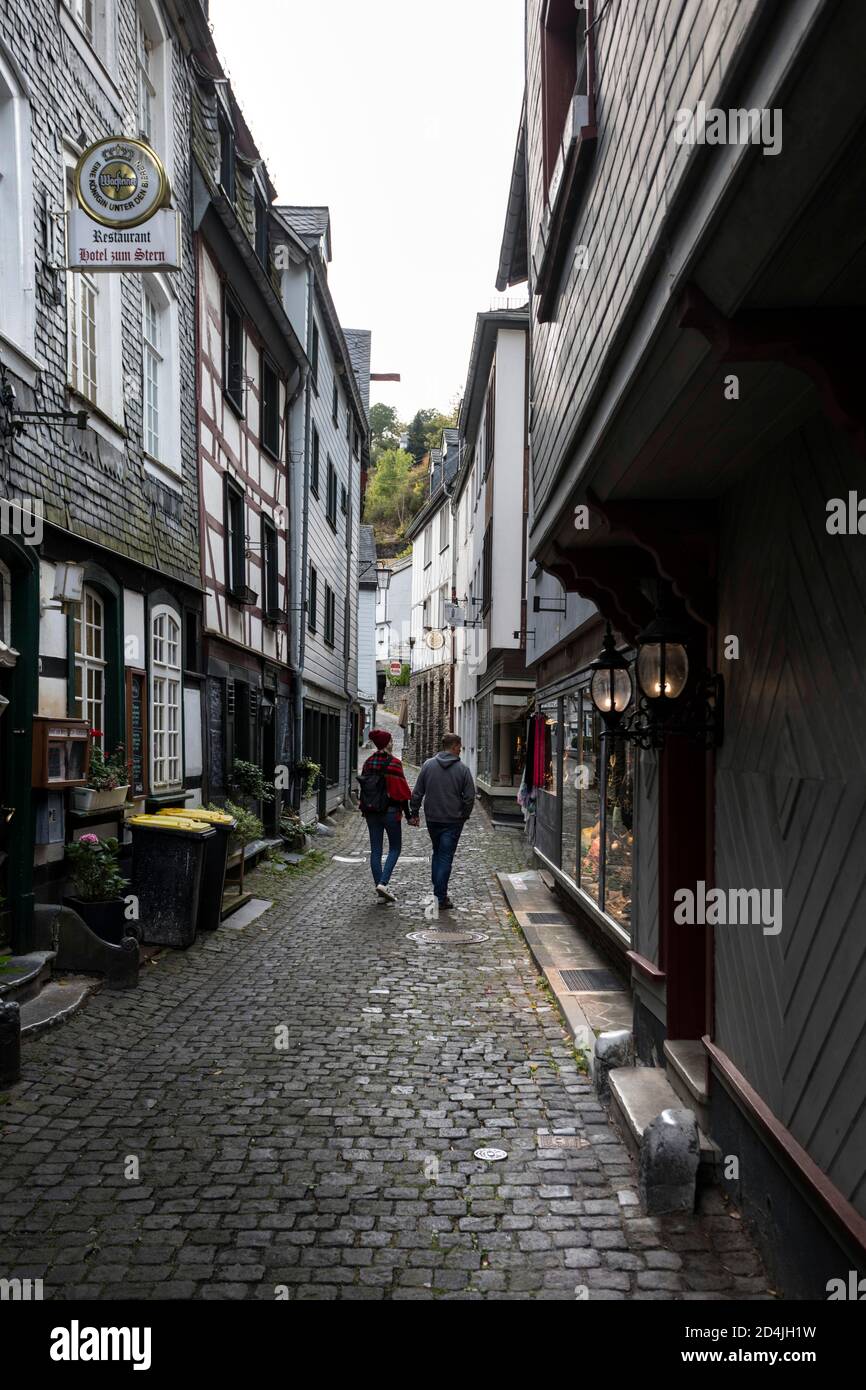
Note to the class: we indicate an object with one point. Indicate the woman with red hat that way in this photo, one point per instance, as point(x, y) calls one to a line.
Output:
point(385, 796)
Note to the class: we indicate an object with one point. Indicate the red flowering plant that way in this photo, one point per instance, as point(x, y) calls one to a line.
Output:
point(107, 773)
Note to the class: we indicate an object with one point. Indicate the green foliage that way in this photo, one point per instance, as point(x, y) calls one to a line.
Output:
point(312, 772)
point(248, 780)
point(403, 678)
point(425, 430)
point(249, 828)
point(385, 429)
point(105, 774)
point(96, 874)
point(395, 492)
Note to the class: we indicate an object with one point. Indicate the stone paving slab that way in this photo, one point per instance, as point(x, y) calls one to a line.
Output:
point(292, 1109)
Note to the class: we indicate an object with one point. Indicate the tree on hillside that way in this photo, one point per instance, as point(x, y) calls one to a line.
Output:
point(395, 493)
point(385, 428)
point(417, 441)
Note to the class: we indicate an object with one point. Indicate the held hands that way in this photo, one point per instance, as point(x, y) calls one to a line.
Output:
point(415, 820)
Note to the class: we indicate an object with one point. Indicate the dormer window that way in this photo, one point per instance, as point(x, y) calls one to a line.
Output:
point(261, 229)
point(227, 156)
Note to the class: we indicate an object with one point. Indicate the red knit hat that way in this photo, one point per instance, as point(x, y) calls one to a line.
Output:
point(380, 737)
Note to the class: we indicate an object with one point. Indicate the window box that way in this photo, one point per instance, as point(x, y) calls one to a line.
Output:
point(88, 799)
point(243, 595)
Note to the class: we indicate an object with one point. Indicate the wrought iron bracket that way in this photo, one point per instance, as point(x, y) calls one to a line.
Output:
point(699, 715)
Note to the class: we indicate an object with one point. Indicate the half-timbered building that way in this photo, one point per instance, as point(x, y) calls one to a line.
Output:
point(251, 369)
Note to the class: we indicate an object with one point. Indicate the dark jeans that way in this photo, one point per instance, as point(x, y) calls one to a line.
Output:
point(392, 822)
point(445, 836)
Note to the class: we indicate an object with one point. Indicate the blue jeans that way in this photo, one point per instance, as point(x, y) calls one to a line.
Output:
point(377, 825)
point(445, 836)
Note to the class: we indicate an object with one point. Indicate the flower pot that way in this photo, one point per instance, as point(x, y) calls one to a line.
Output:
point(105, 920)
point(88, 799)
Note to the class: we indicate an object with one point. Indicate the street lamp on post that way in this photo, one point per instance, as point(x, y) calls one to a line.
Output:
point(383, 578)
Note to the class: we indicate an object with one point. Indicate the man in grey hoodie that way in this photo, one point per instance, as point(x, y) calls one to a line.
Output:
point(448, 792)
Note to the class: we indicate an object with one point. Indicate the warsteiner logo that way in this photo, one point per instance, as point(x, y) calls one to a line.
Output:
point(121, 183)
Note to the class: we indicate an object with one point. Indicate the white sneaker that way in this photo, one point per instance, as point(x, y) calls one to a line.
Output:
point(385, 893)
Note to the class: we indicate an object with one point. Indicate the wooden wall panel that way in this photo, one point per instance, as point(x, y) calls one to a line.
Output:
point(646, 839)
point(791, 800)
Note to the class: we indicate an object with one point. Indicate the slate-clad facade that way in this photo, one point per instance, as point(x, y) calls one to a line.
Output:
point(120, 496)
point(706, 423)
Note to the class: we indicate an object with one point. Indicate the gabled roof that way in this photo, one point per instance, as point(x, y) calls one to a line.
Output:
point(514, 255)
point(358, 342)
point(311, 224)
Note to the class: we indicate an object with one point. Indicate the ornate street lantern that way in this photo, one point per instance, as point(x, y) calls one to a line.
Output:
point(383, 578)
point(611, 687)
point(662, 666)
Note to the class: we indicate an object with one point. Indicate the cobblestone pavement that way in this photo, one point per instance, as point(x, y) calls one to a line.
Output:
point(340, 1166)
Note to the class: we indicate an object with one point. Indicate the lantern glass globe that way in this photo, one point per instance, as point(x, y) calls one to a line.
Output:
point(662, 670)
point(610, 690)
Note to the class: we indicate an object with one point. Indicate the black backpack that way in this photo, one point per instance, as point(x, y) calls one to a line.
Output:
point(374, 793)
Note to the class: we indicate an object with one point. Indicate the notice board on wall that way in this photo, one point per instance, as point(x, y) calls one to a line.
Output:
point(136, 728)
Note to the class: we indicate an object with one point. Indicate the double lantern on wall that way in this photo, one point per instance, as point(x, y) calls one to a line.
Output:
point(657, 698)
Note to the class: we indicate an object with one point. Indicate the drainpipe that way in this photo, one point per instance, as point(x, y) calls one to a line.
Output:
point(300, 606)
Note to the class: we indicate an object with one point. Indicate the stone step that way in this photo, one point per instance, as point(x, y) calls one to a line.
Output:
point(688, 1073)
point(638, 1095)
point(55, 1003)
point(22, 977)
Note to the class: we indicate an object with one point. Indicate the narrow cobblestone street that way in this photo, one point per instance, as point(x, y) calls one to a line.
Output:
point(340, 1165)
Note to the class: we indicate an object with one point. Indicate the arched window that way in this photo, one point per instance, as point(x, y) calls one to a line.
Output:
point(88, 634)
point(17, 231)
point(165, 698)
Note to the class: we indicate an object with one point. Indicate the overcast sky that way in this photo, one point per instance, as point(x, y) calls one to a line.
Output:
point(401, 116)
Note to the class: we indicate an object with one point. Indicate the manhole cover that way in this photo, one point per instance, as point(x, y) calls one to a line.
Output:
point(491, 1155)
point(447, 938)
point(562, 1141)
point(589, 981)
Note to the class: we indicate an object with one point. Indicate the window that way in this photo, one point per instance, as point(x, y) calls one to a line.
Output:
point(82, 13)
point(236, 560)
point(17, 298)
point(356, 445)
point(83, 296)
point(314, 358)
point(152, 357)
point(233, 347)
point(227, 156)
point(261, 229)
point(332, 495)
point(489, 423)
point(344, 500)
point(270, 408)
point(348, 426)
point(313, 600)
point(165, 699)
point(335, 405)
point(146, 85)
point(330, 615)
point(487, 569)
point(444, 538)
point(442, 600)
point(428, 546)
point(564, 74)
point(270, 568)
point(314, 464)
point(88, 633)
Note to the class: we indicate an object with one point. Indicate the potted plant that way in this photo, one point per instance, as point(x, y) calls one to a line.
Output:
point(311, 772)
point(293, 830)
point(99, 886)
point(107, 780)
point(248, 781)
point(248, 829)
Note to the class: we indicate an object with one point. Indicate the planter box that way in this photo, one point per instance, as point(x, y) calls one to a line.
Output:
point(87, 799)
point(105, 920)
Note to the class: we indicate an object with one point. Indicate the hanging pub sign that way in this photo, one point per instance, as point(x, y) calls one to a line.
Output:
point(122, 219)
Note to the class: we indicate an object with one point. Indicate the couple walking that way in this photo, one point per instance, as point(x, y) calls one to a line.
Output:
point(447, 791)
